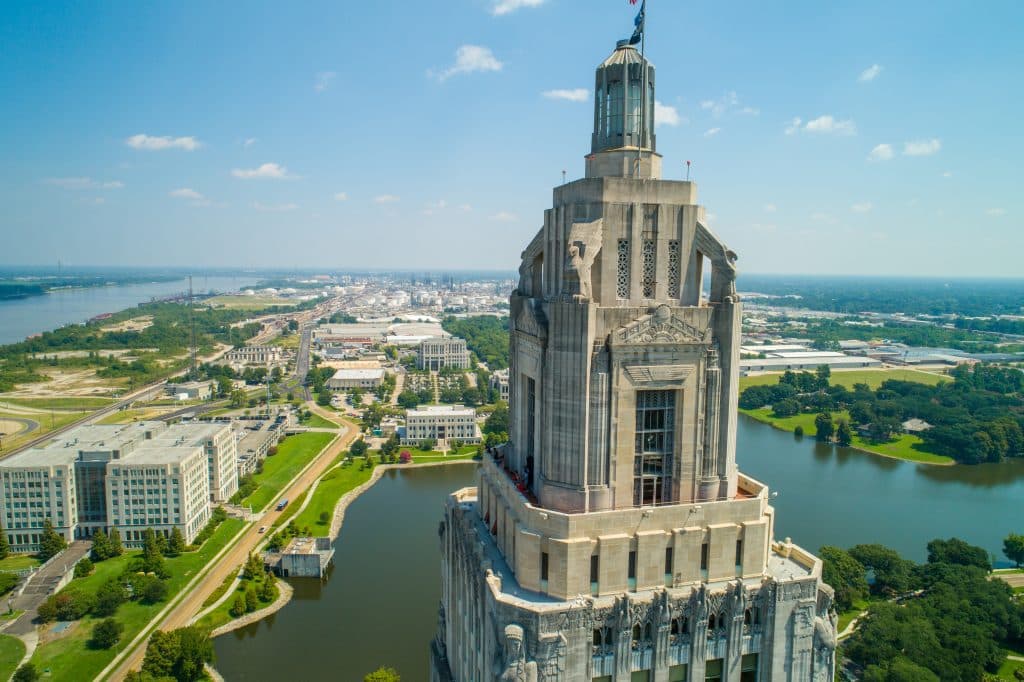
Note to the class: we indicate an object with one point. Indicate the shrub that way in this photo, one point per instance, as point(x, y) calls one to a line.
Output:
point(237, 607)
point(106, 634)
point(7, 582)
point(26, 673)
point(798, 431)
point(405, 457)
point(67, 605)
point(83, 567)
point(109, 596)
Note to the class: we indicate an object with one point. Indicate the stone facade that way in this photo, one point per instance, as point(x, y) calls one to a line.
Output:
point(437, 353)
point(613, 538)
point(441, 423)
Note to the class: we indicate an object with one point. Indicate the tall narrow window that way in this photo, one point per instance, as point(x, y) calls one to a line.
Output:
point(543, 568)
point(739, 557)
point(615, 108)
point(673, 269)
point(595, 568)
point(655, 432)
point(633, 112)
point(668, 565)
point(622, 273)
point(648, 280)
point(704, 557)
point(631, 574)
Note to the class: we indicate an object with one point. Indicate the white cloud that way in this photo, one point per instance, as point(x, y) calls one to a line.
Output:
point(323, 80)
point(502, 7)
point(712, 132)
point(470, 59)
point(341, 196)
point(947, 174)
point(861, 207)
point(869, 74)
point(829, 124)
point(922, 147)
point(770, 208)
point(504, 217)
point(794, 126)
point(84, 183)
point(666, 114)
point(186, 193)
point(465, 208)
point(249, 141)
point(750, 111)
point(385, 199)
point(573, 95)
point(153, 143)
point(996, 212)
point(271, 171)
point(821, 217)
point(722, 104)
point(881, 152)
point(259, 206)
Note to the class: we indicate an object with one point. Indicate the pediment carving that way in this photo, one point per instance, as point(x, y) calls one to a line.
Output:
point(650, 374)
point(531, 322)
point(661, 326)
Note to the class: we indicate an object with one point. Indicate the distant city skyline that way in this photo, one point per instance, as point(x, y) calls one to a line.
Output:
point(867, 139)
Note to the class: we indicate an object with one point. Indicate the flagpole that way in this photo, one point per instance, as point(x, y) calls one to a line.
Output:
point(643, 84)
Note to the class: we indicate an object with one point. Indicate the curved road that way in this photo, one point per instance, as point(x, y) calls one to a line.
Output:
point(180, 615)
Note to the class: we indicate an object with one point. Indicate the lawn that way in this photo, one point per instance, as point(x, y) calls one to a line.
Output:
point(846, 616)
point(19, 562)
point(11, 651)
point(847, 378)
point(68, 403)
point(335, 483)
point(293, 453)
point(904, 446)
point(47, 422)
point(70, 657)
point(315, 421)
point(290, 341)
point(1007, 669)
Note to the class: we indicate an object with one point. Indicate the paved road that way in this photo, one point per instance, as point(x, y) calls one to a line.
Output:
point(42, 584)
point(181, 614)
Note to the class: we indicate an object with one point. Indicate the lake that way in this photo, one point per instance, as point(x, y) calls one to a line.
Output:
point(22, 317)
point(379, 606)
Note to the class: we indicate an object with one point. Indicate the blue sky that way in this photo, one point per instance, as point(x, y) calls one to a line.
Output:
point(853, 138)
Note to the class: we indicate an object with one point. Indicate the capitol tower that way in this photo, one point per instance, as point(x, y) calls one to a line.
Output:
point(613, 538)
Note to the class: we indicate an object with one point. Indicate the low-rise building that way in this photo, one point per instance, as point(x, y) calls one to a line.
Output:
point(306, 557)
point(125, 476)
point(499, 382)
point(437, 353)
point(356, 378)
point(440, 423)
point(190, 390)
point(255, 355)
point(254, 443)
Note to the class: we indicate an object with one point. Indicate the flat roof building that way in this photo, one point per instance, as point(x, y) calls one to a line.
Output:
point(125, 476)
point(437, 353)
point(440, 423)
point(356, 378)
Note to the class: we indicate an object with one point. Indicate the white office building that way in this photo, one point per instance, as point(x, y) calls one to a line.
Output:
point(441, 423)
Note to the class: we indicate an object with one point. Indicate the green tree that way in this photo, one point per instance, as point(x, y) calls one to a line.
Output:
point(325, 518)
point(5, 545)
point(844, 434)
point(152, 554)
point(106, 633)
point(238, 606)
point(846, 575)
point(323, 398)
point(1013, 548)
point(83, 567)
point(892, 572)
point(823, 426)
point(359, 448)
point(153, 591)
point(823, 373)
point(109, 596)
point(253, 567)
point(497, 421)
point(383, 674)
point(956, 551)
point(176, 545)
point(100, 546)
point(179, 654)
point(251, 602)
point(51, 542)
point(899, 670)
point(788, 407)
point(798, 431)
point(116, 548)
point(26, 673)
point(238, 398)
point(267, 591)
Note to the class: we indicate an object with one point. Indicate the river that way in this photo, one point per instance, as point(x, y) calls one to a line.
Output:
point(23, 317)
point(380, 604)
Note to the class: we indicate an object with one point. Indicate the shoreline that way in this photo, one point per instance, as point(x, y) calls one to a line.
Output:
point(336, 524)
point(775, 426)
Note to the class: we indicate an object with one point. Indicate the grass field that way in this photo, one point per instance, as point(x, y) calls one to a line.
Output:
point(11, 651)
point(847, 378)
point(904, 446)
point(69, 656)
point(332, 486)
point(139, 414)
point(221, 615)
point(315, 421)
point(19, 562)
point(47, 422)
point(294, 453)
point(846, 616)
point(1008, 668)
point(290, 341)
point(69, 403)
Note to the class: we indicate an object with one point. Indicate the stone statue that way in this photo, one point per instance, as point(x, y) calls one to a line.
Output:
point(825, 642)
point(517, 668)
point(581, 251)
